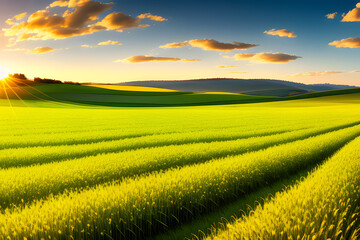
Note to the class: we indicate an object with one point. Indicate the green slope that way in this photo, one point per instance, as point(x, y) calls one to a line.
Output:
point(326, 93)
point(89, 95)
point(281, 92)
point(107, 97)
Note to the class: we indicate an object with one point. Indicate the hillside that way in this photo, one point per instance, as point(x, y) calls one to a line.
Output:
point(201, 165)
point(114, 96)
point(101, 96)
point(259, 87)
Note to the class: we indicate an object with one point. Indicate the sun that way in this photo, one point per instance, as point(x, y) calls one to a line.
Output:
point(4, 72)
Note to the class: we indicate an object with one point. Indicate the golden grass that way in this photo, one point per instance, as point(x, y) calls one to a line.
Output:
point(132, 88)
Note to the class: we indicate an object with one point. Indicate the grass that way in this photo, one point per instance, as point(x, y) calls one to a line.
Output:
point(323, 206)
point(98, 172)
point(55, 178)
point(258, 138)
point(131, 96)
point(281, 92)
point(163, 199)
point(133, 88)
point(210, 223)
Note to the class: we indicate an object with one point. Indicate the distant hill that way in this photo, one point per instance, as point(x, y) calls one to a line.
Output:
point(327, 86)
point(120, 96)
point(258, 87)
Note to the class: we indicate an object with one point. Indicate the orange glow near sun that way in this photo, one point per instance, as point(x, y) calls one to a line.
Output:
point(4, 72)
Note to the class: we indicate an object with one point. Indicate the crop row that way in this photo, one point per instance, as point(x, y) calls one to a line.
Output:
point(325, 205)
point(32, 120)
point(23, 185)
point(42, 127)
point(76, 125)
point(146, 204)
point(69, 138)
point(40, 155)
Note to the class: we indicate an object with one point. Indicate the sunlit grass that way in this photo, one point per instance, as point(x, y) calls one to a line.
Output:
point(84, 172)
point(325, 205)
point(132, 88)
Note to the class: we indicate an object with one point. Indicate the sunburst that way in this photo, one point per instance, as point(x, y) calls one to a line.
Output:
point(4, 72)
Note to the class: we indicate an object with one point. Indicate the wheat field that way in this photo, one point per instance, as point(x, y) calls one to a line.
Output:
point(75, 172)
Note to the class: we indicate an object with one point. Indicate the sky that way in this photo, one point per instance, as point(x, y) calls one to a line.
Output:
point(108, 41)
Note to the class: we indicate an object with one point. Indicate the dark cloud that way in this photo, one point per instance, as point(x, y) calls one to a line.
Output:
point(86, 13)
point(118, 21)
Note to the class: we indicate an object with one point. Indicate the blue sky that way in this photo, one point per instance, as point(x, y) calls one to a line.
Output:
point(222, 21)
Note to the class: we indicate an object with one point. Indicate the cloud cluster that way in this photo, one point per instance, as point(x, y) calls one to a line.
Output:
point(59, 3)
point(109, 42)
point(353, 15)
point(227, 66)
point(81, 17)
point(175, 45)
point(210, 45)
point(331, 15)
point(119, 21)
point(281, 33)
point(142, 58)
point(38, 50)
point(314, 74)
point(347, 43)
point(105, 43)
point(87, 46)
point(12, 21)
point(152, 17)
point(266, 57)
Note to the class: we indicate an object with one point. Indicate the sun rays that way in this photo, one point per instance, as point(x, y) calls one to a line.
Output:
point(13, 88)
point(4, 72)
point(16, 87)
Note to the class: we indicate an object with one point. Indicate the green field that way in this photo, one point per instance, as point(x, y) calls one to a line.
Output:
point(86, 162)
point(113, 96)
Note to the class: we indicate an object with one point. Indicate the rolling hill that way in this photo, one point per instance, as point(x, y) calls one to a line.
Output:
point(119, 96)
point(258, 87)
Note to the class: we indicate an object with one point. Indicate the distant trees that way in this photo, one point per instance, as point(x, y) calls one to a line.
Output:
point(70, 82)
point(47, 80)
point(53, 81)
point(18, 76)
point(18, 79)
point(21, 79)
